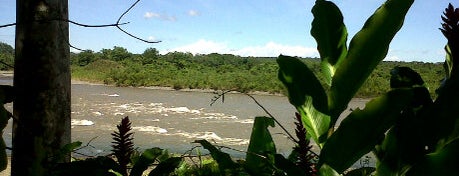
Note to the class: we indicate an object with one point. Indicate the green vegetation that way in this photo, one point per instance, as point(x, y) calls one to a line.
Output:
point(215, 71)
point(179, 70)
point(6, 56)
point(408, 131)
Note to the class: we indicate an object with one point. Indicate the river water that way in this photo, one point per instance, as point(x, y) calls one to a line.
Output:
point(172, 119)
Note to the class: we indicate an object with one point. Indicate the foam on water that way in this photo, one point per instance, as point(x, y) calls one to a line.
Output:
point(113, 95)
point(245, 121)
point(159, 109)
point(212, 136)
point(179, 110)
point(150, 129)
point(77, 122)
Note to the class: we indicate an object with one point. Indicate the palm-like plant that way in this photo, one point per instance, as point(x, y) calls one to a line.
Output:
point(123, 147)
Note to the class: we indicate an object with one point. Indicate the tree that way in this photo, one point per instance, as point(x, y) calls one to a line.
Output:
point(116, 54)
point(85, 57)
point(6, 49)
point(6, 56)
point(42, 84)
point(150, 55)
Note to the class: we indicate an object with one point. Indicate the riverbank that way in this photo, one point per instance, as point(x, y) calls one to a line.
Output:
point(95, 82)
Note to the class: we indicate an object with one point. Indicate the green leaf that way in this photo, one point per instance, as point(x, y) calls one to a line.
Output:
point(114, 172)
point(442, 162)
point(3, 155)
point(223, 159)
point(330, 33)
point(367, 48)
point(315, 122)
point(448, 65)
point(404, 77)
point(305, 93)
point(403, 144)
point(363, 129)
point(363, 171)
point(90, 166)
point(166, 167)
point(261, 150)
point(66, 150)
point(147, 158)
point(326, 170)
point(71, 146)
point(288, 166)
point(301, 83)
point(441, 122)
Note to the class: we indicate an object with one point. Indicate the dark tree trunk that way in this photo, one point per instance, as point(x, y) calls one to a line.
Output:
point(42, 84)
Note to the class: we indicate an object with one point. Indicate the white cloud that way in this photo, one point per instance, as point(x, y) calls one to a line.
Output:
point(270, 49)
point(274, 49)
point(151, 15)
point(164, 17)
point(152, 39)
point(193, 13)
point(201, 47)
point(392, 58)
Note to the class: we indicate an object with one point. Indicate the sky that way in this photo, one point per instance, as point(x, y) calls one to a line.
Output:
point(263, 28)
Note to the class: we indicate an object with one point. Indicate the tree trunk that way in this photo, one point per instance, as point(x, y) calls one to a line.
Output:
point(42, 84)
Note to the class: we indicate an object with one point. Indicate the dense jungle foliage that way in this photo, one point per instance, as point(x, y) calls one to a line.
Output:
point(179, 70)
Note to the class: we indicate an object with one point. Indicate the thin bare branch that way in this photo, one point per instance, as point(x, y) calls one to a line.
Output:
point(270, 115)
point(127, 33)
point(222, 95)
point(7, 25)
point(95, 26)
point(117, 25)
point(75, 23)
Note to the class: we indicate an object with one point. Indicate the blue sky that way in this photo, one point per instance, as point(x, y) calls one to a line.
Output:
point(240, 27)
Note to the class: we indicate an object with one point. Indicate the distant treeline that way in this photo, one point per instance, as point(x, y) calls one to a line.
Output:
point(180, 70)
point(6, 56)
point(216, 71)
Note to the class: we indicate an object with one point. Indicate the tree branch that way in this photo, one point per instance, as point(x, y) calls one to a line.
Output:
point(133, 36)
point(7, 25)
point(117, 25)
point(222, 96)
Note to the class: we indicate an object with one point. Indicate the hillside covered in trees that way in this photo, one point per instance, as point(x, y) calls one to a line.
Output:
point(179, 70)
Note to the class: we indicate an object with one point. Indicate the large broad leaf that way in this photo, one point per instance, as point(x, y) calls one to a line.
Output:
point(306, 93)
point(91, 166)
point(261, 151)
point(367, 48)
point(448, 65)
point(290, 168)
point(330, 33)
point(442, 162)
point(405, 77)
point(328, 171)
point(166, 167)
point(301, 83)
point(403, 144)
point(363, 171)
point(225, 163)
point(442, 122)
point(363, 129)
point(315, 122)
point(147, 158)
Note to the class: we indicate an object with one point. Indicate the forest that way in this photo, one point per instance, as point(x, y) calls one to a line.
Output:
point(118, 66)
point(214, 71)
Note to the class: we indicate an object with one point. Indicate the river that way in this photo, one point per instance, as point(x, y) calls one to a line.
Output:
point(171, 119)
